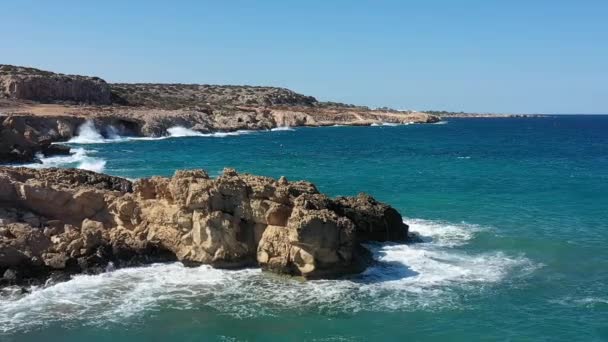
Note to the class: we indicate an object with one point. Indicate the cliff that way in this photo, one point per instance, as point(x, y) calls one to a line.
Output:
point(23, 83)
point(64, 221)
point(39, 107)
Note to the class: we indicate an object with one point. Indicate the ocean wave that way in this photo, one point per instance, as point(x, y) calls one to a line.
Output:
point(282, 128)
point(89, 134)
point(421, 276)
point(179, 131)
point(442, 233)
point(78, 158)
point(391, 124)
point(440, 123)
point(228, 134)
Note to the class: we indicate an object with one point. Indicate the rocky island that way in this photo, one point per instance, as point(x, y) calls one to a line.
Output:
point(40, 107)
point(58, 222)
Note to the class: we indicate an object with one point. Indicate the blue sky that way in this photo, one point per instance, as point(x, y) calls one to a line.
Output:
point(530, 56)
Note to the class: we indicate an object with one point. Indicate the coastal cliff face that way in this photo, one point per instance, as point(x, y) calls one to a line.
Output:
point(71, 221)
point(40, 107)
point(38, 85)
point(26, 132)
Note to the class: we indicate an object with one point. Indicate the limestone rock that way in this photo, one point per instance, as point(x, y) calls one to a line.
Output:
point(78, 220)
point(375, 221)
point(33, 84)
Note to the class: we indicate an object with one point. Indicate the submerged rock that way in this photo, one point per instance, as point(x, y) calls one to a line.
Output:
point(66, 220)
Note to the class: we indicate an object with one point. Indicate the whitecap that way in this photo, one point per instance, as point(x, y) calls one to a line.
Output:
point(282, 128)
point(390, 124)
point(113, 133)
point(95, 165)
point(146, 138)
point(228, 134)
point(87, 134)
point(442, 233)
point(180, 131)
point(78, 158)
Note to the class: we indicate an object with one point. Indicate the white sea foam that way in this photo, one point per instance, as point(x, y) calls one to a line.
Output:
point(179, 131)
point(440, 123)
point(87, 134)
point(78, 158)
point(375, 124)
point(113, 133)
point(282, 128)
point(587, 302)
point(93, 165)
point(228, 134)
point(422, 276)
point(442, 233)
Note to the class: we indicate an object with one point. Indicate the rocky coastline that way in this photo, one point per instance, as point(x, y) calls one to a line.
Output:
point(59, 222)
point(39, 108)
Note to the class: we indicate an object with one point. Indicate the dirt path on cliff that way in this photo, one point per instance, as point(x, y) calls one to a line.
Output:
point(46, 109)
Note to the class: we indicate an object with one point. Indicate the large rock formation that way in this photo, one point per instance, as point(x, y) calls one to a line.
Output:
point(44, 86)
point(78, 221)
point(20, 141)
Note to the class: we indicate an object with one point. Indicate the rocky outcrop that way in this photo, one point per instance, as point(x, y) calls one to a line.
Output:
point(24, 137)
point(70, 220)
point(21, 142)
point(38, 85)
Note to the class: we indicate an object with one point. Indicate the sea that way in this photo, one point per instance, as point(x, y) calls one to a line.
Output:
point(513, 213)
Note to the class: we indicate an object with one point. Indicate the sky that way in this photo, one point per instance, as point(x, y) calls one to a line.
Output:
point(497, 56)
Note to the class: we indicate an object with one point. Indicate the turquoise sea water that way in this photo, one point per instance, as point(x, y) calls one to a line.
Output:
point(514, 211)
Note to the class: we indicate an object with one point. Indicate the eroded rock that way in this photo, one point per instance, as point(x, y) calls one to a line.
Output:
point(58, 219)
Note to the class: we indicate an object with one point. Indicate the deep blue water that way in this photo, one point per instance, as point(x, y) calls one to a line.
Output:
point(515, 211)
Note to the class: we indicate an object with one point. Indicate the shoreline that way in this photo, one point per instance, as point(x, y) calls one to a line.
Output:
point(37, 128)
